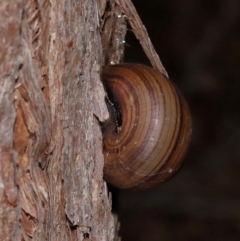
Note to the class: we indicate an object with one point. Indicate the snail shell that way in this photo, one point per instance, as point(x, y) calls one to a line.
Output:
point(148, 134)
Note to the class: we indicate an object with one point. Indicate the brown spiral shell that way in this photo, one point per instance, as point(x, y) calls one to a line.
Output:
point(148, 134)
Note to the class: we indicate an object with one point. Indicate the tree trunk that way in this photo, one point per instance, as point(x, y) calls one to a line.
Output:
point(51, 99)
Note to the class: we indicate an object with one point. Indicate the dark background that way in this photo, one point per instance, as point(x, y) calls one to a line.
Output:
point(198, 42)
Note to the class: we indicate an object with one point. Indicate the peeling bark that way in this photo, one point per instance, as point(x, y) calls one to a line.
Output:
point(51, 99)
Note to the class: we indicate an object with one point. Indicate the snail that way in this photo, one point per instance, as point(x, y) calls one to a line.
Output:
point(149, 130)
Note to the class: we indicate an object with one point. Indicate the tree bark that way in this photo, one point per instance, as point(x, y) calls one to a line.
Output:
point(51, 99)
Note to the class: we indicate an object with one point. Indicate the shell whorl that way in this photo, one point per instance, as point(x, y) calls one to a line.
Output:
point(148, 135)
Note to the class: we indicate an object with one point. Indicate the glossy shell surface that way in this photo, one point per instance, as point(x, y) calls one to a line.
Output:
point(149, 132)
